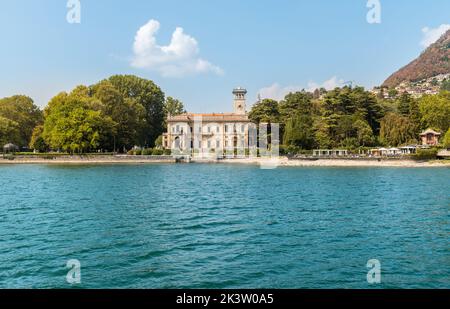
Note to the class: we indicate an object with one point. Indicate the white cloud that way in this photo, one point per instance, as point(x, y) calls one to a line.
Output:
point(328, 84)
point(179, 58)
point(431, 35)
point(278, 92)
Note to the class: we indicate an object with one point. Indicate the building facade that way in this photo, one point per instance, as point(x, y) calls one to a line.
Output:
point(225, 134)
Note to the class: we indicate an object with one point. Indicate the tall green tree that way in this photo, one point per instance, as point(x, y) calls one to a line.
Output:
point(150, 96)
point(299, 131)
point(435, 111)
point(73, 124)
point(37, 140)
point(266, 111)
point(404, 103)
point(296, 102)
point(23, 113)
point(9, 131)
point(397, 130)
point(364, 133)
point(173, 107)
point(340, 109)
point(128, 115)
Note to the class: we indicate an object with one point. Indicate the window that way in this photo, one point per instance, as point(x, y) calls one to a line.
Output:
point(226, 128)
point(217, 144)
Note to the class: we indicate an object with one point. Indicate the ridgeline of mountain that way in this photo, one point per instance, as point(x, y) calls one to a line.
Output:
point(433, 61)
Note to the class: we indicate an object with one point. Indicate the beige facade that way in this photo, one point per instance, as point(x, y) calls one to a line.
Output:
point(211, 134)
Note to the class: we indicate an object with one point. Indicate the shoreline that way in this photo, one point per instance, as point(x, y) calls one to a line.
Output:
point(263, 162)
point(284, 162)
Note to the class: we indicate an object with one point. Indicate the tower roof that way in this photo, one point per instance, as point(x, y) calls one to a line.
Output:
point(239, 90)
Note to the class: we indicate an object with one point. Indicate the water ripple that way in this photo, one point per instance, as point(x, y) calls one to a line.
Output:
point(218, 226)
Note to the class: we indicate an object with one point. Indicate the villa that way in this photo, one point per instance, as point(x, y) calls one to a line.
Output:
point(211, 133)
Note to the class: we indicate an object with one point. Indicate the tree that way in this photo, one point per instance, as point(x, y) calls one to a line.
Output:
point(37, 140)
point(340, 109)
point(150, 96)
point(322, 136)
point(128, 115)
point(299, 132)
point(396, 130)
point(9, 131)
point(72, 124)
point(404, 103)
point(173, 107)
point(364, 133)
point(266, 111)
point(22, 112)
point(85, 130)
point(297, 102)
point(435, 111)
point(446, 140)
point(392, 92)
point(409, 107)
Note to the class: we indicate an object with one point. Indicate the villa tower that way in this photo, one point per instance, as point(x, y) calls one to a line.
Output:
point(239, 101)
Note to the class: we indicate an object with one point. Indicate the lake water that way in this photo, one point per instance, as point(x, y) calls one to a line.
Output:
point(223, 226)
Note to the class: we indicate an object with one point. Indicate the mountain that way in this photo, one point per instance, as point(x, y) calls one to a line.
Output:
point(433, 61)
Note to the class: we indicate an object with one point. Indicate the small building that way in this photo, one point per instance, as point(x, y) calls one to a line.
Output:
point(330, 153)
point(388, 152)
point(393, 152)
point(408, 150)
point(430, 137)
point(375, 152)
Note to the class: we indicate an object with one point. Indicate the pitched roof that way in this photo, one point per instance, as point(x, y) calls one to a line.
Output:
point(209, 117)
point(430, 131)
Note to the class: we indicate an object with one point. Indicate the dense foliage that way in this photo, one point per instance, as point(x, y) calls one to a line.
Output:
point(114, 114)
point(352, 118)
point(18, 117)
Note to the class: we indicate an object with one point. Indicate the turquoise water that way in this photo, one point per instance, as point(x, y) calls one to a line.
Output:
point(219, 226)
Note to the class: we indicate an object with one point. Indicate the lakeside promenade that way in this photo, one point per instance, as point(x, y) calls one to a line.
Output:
point(281, 161)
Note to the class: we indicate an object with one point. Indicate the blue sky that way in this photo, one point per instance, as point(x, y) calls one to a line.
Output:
point(267, 46)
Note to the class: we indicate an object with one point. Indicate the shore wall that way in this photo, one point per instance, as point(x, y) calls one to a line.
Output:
point(84, 159)
point(281, 161)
